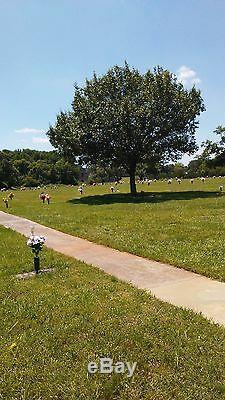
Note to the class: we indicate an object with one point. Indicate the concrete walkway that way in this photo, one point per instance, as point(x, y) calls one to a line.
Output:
point(168, 283)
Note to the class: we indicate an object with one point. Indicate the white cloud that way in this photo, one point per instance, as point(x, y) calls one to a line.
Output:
point(40, 140)
point(29, 130)
point(187, 76)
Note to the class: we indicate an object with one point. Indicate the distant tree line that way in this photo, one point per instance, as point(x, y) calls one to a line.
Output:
point(32, 168)
point(211, 162)
point(100, 174)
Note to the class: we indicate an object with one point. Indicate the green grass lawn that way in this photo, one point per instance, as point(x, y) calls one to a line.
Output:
point(180, 224)
point(54, 324)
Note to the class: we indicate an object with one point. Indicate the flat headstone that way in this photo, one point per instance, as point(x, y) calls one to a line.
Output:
point(31, 274)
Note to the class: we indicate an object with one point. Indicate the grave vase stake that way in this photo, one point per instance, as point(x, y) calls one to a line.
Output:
point(36, 264)
point(36, 243)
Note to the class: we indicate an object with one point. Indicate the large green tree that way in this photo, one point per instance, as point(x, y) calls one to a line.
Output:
point(125, 118)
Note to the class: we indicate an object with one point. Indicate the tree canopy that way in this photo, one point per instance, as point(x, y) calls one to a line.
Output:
point(125, 118)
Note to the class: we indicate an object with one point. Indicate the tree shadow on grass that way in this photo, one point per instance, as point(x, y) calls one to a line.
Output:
point(144, 197)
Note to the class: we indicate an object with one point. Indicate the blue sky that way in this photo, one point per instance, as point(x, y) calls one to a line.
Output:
point(47, 45)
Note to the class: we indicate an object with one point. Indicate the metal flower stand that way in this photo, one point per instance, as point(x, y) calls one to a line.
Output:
point(36, 264)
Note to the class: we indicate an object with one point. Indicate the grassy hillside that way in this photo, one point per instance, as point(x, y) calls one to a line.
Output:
point(180, 224)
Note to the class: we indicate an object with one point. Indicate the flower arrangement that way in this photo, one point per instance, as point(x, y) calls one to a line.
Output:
point(36, 243)
point(6, 201)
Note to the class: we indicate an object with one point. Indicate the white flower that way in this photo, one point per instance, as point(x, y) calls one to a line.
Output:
point(36, 242)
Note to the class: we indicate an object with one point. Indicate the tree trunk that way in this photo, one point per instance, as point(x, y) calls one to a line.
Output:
point(133, 189)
